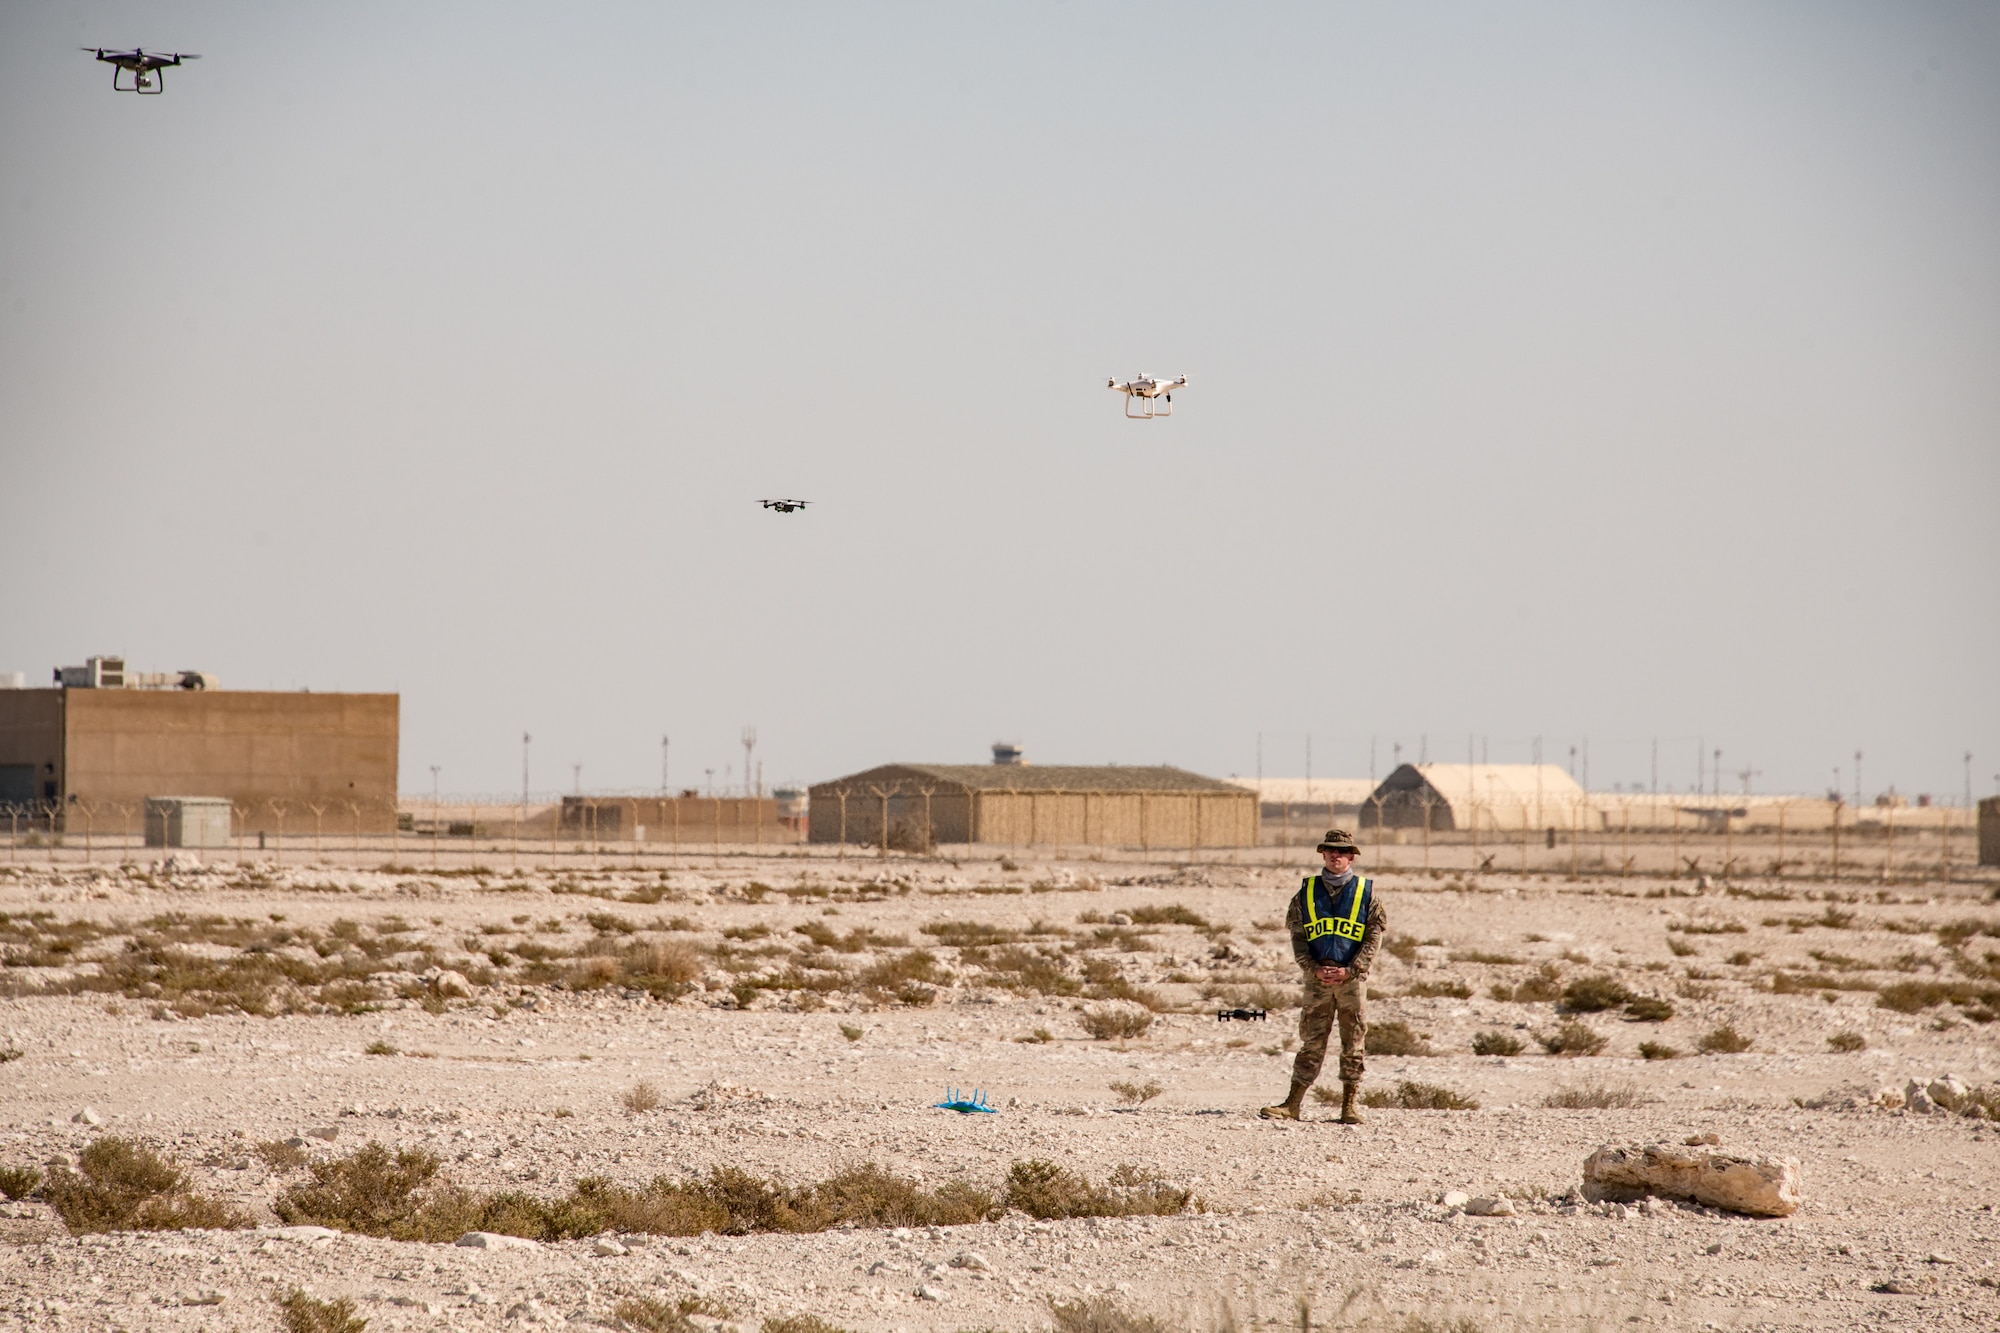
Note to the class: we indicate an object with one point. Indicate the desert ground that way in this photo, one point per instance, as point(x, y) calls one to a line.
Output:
point(795, 1016)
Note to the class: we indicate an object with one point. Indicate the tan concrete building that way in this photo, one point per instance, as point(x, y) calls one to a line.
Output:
point(690, 821)
point(96, 754)
point(913, 806)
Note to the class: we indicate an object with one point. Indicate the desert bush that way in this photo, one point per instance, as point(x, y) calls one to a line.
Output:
point(967, 934)
point(1045, 1190)
point(1452, 989)
point(1539, 986)
point(1097, 1314)
point(403, 1197)
point(282, 1156)
point(18, 1182)
point(379, 1047)
point(1712, 928)
point(914, 966)
point(1495, 1043)
point(1482, 956)
point(1038, 1037)
point(1846, 1042)
point(666, 969)
point(851, 1032)
point(1256, 995)
point(1571, 1038)
point(1594, 1097)
point(1648, 1009)
point(1396, 1037)
point(1909, 997)
point(640, 1097)
point(800, 1323)
point(1590, 995)
point(1653, 1050)
point(1107, 1021)
point(301, 1313)
point(1138, 1094)
point(1023, 969)
point(653, 1314)
point(1725, 1040)
point(1679, 948)
point(1409, 1096)
point(120, 1185)
point(1173, 914)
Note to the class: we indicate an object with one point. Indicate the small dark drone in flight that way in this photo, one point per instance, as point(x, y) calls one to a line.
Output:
point(145, 67)
point(784, 506)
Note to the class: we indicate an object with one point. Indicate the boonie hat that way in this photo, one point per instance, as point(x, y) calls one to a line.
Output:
point(1338, 840)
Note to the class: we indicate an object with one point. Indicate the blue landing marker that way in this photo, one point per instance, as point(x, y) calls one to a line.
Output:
point(953, 1101)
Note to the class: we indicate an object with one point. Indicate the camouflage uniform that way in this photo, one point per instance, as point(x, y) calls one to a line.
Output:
point(1323, 1003)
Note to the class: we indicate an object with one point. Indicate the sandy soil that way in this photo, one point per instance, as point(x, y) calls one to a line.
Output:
point(1893, 1199)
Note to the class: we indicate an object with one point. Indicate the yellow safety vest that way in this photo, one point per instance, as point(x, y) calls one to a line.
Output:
point(1335, 936)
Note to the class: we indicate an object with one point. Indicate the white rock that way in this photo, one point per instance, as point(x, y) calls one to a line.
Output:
point(493, 1240)
point(1889, 1099)
point(1761, 1186)
point(1946, 1091)
point(608, 1247)
point(87, 1116)
point(973, 1260)
point(1500, 1207)
point(929, 1293)
point(299, 1233)
point(1455, 1199)
point(326, 1132)
point(451, 984)
point(1916, 1097)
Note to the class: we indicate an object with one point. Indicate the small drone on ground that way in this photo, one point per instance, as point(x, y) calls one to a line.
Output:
point(145, 67)
point(784, 506)
point(1149, 392)
point(1239, 1015)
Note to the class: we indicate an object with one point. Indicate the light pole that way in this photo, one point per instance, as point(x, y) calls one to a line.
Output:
point(749, 744)
point(665, 785)
point(525, 739)
point(435, 769)
point(576, 775)
point(1857, 779)
point(1968, 779)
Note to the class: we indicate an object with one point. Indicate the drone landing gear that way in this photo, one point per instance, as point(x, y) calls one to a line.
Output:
point(151, 85)
point(1151, 405)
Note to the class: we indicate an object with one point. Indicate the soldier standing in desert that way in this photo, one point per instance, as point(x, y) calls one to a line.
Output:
point(1337, 925)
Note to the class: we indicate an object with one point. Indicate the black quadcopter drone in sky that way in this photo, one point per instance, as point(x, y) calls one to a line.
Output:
point(145, 67)
point(784, 506)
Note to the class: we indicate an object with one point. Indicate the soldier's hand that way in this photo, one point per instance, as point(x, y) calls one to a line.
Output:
point(1332, 976)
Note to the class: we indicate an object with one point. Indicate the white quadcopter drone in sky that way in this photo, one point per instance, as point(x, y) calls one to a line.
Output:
point(1148, 394)
point(144, 66)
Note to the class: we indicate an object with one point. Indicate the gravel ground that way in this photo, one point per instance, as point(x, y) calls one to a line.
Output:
point(520, 1086)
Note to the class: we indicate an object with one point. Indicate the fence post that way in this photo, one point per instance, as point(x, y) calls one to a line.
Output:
point(278, 839)
point(1944, 844)
point(842, 853)
point(1836, 840)
point(1888, 838)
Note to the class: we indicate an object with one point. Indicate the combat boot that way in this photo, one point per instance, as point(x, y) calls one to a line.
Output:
point(1287, 1109)
point(1350, 1103)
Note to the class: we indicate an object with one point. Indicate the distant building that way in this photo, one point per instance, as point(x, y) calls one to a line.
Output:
point(1444, 797)
point(91, 753)
point(916, 806)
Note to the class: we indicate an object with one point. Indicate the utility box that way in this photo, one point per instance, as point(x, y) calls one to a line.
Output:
point(1989, 831)
point(187, 821)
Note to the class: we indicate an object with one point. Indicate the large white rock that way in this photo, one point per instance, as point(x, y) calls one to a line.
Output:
point(1761, 1185)
point(493, 1240)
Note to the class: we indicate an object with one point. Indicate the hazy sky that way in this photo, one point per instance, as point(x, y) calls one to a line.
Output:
point(1595, 370)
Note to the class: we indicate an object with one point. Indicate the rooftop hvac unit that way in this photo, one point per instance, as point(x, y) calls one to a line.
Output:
point(1007, 752)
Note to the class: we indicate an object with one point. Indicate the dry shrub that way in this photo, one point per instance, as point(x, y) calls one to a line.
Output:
point(282, 1156)
point(1409, 1096)
point(1594, 1097)
point(1725, 1040)
point(652, 1314)
point(1042, 1189)
point(402, 1197)
point(1396, 1037)
point(379, 1047)
point(1138, 1094)
point(1571, 1039)
point(1173, 914)
point(1097, 1314)
point(1257, 995)
point(1679, 948)
point(18, 1182)
point(1483, 956)
point(667, 969)
point(914, 965)
point(305, 1314)
point(1846, 1042)
point(800, 1323)
point(1653, 1050)
point(1451, 989)
point(1539, 986)
point(1591, 995)
point(641, 1097)
point(967, 934)
point(851, 1032)
point(120, 1185)
point(1105, 1022)
point(1495, 1043)
point(1021, 969)
point(1648, 1009)
point(1909, 997)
